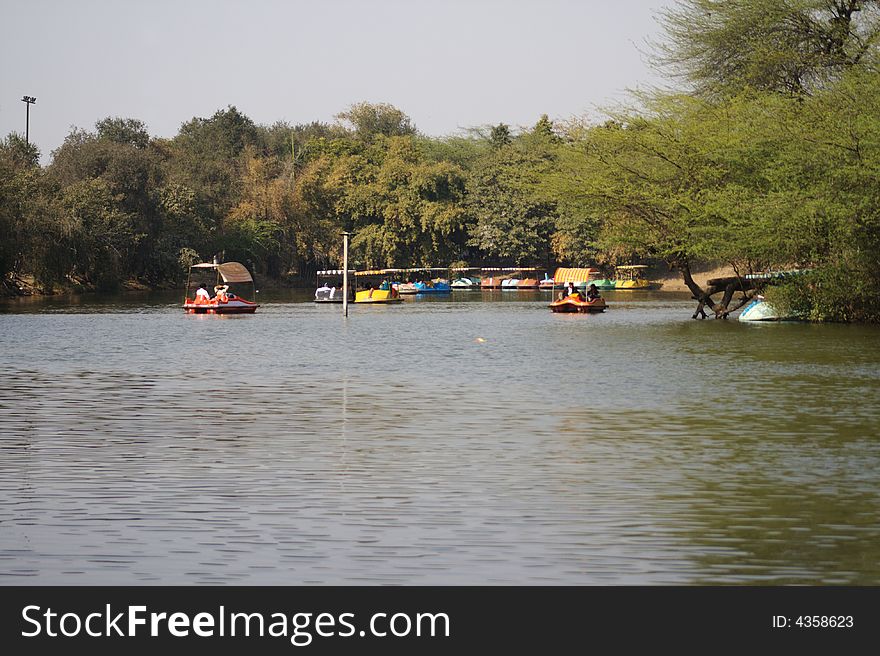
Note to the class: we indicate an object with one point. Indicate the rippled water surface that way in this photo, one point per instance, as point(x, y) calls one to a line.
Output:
point(473, 439)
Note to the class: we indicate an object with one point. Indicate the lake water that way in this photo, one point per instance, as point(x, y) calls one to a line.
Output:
point(477, 439)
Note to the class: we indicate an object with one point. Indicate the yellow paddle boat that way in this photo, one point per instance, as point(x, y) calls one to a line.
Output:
point(377, 286)
point(629, 277)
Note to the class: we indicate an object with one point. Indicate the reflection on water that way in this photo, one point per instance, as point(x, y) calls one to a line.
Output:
point(476, 438)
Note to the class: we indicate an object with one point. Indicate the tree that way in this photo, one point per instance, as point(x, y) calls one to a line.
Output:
point(544, 130)
point(20, 177)
point(369, 120)
point(500, 136)
point(789, 46)
point(98, 237)
point(256, 228)
point(827, 166)
point(124, 131)
point(512, 221)
point(206, 157)
point(122, 156)
point(679, 182)
point(405, 211)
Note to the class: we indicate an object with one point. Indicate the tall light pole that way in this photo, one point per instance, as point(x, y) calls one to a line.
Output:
point(345, 236)
point(30, 100)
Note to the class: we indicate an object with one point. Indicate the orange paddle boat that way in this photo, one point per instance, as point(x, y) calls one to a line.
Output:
point(577, 303)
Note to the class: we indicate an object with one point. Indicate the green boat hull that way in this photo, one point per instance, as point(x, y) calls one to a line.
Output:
point(603, 283)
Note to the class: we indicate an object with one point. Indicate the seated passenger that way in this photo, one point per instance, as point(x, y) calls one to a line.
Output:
point(202, 295)
point(592, 293)
point(220, 293)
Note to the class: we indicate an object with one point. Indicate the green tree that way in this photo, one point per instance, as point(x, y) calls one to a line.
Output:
point(512, 222)
point(790, 46)
point(99, 236)
point(405, 211)
point(256, 229)
point(206, 157)
point(369, 120)
point(20, 177)
point(127, 131)
point(545, 130)
point(500, 136)
point(121, 155)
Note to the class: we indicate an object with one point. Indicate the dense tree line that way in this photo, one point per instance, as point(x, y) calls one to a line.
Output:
point(116, 204)
point(766, 155)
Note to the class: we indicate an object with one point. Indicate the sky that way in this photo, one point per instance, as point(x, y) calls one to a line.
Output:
point(448, 64)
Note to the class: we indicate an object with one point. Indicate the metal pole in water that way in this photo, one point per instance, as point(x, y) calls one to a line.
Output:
point(345, 236)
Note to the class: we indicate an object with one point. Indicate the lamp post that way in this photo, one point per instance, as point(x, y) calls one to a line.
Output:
point(345, 236)
point(29, 100)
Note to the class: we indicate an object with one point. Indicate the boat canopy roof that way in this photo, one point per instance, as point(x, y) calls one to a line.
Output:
point(574, 275)
point(229, 271)
point(509, 269)
point(379, 272)
point(384, 272)
point(335, 272)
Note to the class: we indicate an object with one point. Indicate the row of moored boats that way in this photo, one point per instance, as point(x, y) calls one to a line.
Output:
point(390, 285)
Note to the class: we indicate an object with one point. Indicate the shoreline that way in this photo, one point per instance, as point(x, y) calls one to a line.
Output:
point(674, 283)
point(20, 288)
point(27, 288)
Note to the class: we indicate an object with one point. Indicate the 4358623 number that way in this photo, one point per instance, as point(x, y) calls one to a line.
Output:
point(824, 621)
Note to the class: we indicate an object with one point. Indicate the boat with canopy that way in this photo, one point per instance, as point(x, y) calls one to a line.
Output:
point(508, 278)
point(231, 283)
point(420, 281)
point(528, 279)
point(630, 277)
point(465, 279)
point(578, 301)
point(377, 286)
point(330, 290)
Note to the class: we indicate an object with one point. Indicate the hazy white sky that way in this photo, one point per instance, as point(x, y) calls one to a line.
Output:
point(448, 64)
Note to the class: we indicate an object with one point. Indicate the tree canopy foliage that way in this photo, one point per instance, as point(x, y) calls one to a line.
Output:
point(790, 46)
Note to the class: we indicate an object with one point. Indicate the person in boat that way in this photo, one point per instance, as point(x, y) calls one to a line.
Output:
point(220, 293)
point(202, 295)
point(570, 290)
point(385, 286)
point(592, 293)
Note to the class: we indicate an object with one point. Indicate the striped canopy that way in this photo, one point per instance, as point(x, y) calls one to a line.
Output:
point(563, 276)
